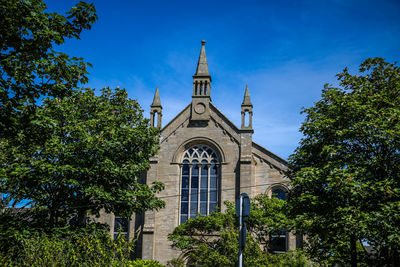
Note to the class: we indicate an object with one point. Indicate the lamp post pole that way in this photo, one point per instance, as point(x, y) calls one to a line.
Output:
point(242, 211)
point(240, 230)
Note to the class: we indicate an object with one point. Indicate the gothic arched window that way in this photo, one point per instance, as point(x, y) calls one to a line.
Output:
point(199, 191)
point(279, 193)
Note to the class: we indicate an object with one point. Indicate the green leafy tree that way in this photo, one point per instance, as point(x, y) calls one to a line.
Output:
point(268, 216)
point(346, 170)
point(30, 67)
point(213, 240)
point(89, 153)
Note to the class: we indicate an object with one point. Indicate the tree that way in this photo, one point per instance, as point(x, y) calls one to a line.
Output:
point(29, 66)
point(346, 172)
point(89, 153)
point(213, 240)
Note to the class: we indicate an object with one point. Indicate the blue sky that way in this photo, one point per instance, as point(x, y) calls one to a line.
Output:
point(284, 50)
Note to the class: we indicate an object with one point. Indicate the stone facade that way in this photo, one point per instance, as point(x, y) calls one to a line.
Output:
point(243, 165)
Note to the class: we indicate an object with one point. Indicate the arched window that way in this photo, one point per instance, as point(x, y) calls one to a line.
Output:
point(201, 88)
point(279, 193)
point(155, 119)
point(199, 191)
point(246, 118)
point(196, 88)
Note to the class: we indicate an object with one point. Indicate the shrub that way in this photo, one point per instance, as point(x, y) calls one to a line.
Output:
point(76, 250)
point(145, 263)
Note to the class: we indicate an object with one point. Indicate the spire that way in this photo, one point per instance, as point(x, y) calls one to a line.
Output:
point(246, 98)
point(202, 66)
point(156, 99)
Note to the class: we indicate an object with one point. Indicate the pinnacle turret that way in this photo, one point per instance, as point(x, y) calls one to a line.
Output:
point(156, 110)
point(247, 111)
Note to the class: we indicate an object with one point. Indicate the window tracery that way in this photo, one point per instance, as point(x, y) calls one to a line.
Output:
point(199, 182)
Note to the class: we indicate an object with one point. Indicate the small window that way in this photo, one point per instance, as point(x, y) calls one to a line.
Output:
point(279, 241)
point(121, 227)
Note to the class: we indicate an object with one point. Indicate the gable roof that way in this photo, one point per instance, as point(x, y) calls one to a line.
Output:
point(258, 150)
point(228, 122)
point(267, 156)
point(175, 118)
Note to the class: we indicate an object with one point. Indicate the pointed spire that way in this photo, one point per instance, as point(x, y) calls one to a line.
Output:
point(246, 98)
point(202, 66)
point(156, 99)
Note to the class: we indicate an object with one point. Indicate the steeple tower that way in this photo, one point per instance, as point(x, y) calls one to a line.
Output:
point(156, 110)
point(247, 110)
point(201, 88)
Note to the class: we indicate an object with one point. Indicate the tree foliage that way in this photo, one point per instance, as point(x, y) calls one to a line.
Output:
point(30, 67)
point(83, 249)
point(88, 154)
point(346, 170)
point(213, 240)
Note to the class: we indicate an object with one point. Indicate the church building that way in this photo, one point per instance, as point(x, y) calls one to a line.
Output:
point(204, 159)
